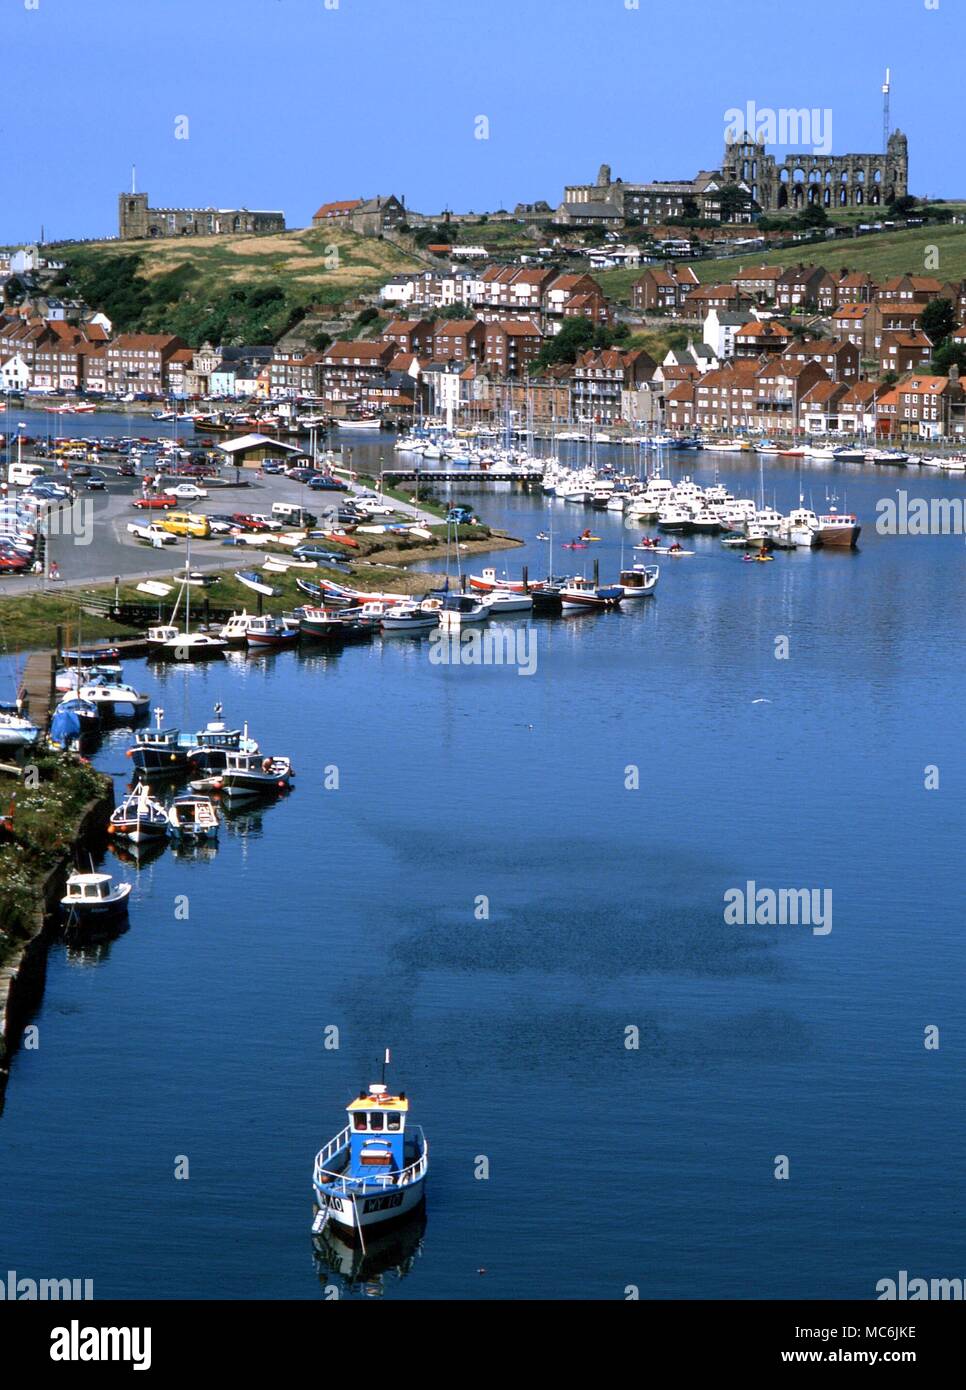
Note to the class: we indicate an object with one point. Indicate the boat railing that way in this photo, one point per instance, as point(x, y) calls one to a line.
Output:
point(404, 1178)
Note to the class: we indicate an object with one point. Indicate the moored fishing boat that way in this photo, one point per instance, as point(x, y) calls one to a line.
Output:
point(373, 1172)
point(583, 593)
point(838, 529)
point(639, 581)
point(93, 898)
point(158, 752)
point(139, 818)
point(249, 774)
point(271, 632)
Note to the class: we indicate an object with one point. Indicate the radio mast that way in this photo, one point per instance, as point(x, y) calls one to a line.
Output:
point(886, 132)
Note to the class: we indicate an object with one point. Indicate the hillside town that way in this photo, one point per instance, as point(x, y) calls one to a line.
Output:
point(770, 350)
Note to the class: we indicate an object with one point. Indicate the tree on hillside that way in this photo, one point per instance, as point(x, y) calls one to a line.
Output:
point(938, 320)
point(735, 202)
point(576, 336)
point(950, 354)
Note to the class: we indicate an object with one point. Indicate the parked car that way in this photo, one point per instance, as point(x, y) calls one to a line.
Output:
point(95, 483)
point(461, 515)
point(125, 470)
point(221, 525)
point(323, 482)
point(307, 551)
point(273, 466)
point(299, 473)
point(161, 501)
point(244, 522)
point(189, 491)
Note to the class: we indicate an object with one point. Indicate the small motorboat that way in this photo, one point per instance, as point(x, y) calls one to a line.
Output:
point(93, 898)
point(252, 580)
point(507, 601)
point(190, 646)
point(70, 678)
point(17, 732)
point(457, 610)
point(410, 617)
point(640, 581)
point(193, 818)
point(270, 632)
point(249, 774)
point(374, 1171)
point(583, 593)
point(139, 818)
point(114, 699)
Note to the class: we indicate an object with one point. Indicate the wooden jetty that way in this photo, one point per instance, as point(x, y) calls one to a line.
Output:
point(38, 690)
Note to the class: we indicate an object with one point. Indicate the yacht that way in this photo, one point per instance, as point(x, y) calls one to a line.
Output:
point(674, 518)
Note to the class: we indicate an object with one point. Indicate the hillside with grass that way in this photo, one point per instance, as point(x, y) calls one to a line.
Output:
point(881, 254)
point(233, 290)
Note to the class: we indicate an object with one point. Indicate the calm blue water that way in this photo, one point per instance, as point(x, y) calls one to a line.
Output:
point(355, 908)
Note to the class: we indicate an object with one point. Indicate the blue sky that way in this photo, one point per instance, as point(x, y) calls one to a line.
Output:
point(291, 103)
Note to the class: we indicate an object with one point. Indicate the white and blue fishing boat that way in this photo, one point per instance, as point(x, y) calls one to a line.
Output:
point(374, 1171)
point(158, 752)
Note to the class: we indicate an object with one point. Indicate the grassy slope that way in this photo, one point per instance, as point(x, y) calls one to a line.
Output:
point(882, 254)
point(311, 266)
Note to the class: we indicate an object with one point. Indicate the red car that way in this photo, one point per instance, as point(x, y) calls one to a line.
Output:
point(162, 502)
point(248, 523)
point(12, 563)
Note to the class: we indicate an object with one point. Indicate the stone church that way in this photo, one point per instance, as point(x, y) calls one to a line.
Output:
point(136, 220)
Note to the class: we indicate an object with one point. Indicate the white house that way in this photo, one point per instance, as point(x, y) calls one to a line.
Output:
point(719, 331)
point(15, 374)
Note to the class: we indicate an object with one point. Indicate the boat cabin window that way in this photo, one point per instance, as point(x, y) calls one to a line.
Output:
point(393, 1121)
point(92, 890)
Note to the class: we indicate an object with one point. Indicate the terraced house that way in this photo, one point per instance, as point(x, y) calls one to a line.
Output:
point(600, 376)
point(138, 363)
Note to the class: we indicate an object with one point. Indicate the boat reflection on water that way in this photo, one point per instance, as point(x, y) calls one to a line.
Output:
point(139, 854)
point(388, 1255)
point(194, 850)
point(91, 946)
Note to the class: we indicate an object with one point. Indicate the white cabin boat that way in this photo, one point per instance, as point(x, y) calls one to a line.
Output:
point(374, 1171)
point(91, 898)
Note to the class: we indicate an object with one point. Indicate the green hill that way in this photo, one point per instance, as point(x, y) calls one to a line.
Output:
point(881, 254)
point(228, 289)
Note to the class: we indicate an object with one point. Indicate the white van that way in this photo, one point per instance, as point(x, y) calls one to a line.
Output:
point(22, 474)
point(291, 514)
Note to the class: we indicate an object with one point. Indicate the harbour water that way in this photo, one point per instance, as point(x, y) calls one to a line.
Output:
point(202, 1036)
